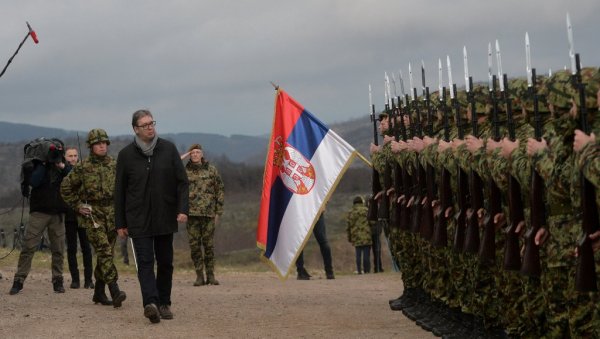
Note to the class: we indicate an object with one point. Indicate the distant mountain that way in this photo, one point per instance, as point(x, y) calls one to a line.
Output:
point(250, 150)
point(17, 133)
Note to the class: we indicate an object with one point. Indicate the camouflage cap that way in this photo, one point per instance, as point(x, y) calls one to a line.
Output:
point(97, 135)
point(358, 200)
point(461, 96)
point(519, 93)
point(542, 95)
point(560, 90)
point(194, 146)
point(590, 76)
point(482, 99)
point(434, 99)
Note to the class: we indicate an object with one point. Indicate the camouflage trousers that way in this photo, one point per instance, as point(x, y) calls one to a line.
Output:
point(570, 313)
point(440, 273)
point(201, 232)
point(406, 260)
point(103, 239)
point(38, 222)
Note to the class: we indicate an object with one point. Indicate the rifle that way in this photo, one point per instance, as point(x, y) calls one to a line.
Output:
point(85, 203)
point(375, 183)
point(585, 279)
point(428, 172)
point(460, 216)
point(384, 204)
point(396, 218)
point(487, 251)
point(531, 258)
point(475, 191)
point(402, 208)
point(419, 174)
point(440, 227)
point(512, 255)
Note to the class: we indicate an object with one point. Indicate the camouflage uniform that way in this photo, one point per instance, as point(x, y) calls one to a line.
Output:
point(554, 166)
point(582, 320)
point(358, 231)
point(206, 202)
point(526, 314)
point(92, 183)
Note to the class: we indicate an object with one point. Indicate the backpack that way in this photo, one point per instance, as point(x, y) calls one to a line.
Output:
point(38, 151)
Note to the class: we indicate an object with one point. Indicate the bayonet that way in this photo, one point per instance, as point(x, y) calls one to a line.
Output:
point(410, 82)
point(371, 102)
point(499, 61)
point(440, 76)
point(490, 72)
point(528, 61)
point(423, 78)
point(385, 95)
point(394, 84)
point(449, 76)
point(402, 92)
point(388, 91)
point(571, 45)
point(466, 64)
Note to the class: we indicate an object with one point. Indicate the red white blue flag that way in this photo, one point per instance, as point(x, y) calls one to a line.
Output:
point(305, 161)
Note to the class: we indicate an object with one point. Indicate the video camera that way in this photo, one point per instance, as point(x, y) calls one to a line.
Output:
point(40, 150)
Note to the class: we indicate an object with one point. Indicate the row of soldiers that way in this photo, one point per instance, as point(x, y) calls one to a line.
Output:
point(457, 190)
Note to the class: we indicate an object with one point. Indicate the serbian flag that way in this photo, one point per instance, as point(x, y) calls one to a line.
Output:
point(305, 161)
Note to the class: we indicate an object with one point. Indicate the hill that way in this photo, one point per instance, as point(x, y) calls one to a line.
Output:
point(238, 148)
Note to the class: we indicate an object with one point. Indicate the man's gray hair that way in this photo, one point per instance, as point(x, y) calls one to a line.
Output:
point(138, 115)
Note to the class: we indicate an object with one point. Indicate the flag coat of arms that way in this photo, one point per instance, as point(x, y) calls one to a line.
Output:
point(305, 161)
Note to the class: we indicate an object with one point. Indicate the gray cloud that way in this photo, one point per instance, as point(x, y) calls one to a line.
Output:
point(206, 66)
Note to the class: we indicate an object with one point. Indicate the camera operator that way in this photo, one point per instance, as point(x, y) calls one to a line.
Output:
point(46, 211)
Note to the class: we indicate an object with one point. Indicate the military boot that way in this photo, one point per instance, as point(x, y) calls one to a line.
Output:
point(100, 295)
point(117, 295)
point(199, 278)
point(16, 287)
point(57, 285)
point(210, 278)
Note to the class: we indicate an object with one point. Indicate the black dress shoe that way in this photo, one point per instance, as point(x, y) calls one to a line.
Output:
point(88, 284)
point(74, 284)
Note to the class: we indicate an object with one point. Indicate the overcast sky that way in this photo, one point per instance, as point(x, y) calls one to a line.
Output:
point(205, 66)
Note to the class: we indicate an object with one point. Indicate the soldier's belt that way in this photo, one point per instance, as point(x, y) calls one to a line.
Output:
point(101, 203)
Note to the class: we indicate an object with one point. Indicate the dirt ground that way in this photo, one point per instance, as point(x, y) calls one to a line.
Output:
point(248, 304)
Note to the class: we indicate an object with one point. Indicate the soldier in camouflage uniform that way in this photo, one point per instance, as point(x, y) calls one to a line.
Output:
point(553, 160)
point(526, 315)
point(206, 206)
point(581, 315)
point(88, 189)
point(588, 164)
point(380, 155)
point(359, 234)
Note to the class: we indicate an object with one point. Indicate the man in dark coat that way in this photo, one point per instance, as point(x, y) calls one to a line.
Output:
point(151, 198)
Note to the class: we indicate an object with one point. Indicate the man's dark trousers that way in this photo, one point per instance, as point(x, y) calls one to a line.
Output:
point(155, 289)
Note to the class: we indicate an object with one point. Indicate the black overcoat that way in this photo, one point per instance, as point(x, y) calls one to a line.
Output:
point(150, 191)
